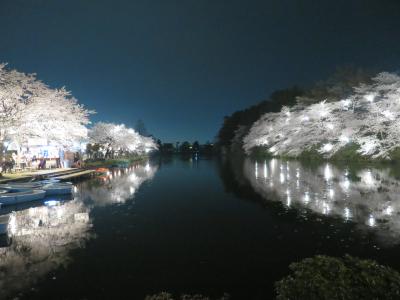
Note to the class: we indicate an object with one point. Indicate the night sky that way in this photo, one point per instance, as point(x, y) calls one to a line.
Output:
point(181, 66)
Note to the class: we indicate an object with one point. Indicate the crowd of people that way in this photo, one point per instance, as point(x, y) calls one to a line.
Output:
point(21, 161)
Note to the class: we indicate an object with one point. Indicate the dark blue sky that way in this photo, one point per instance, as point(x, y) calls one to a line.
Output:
point(182, 65)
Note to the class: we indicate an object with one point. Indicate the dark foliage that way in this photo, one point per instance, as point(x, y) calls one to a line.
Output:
point(324, 277)
point(246, 117)
point(168, 296)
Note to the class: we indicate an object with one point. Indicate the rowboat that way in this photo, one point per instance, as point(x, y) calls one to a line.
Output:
point(57, 189)
point(47, 185)
point(19, 197)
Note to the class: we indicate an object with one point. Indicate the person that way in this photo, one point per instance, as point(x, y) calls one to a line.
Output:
point(58, 162)
point(23, 161)
point(42, 163)
point(14, 157)
point(34, 162)
point(61, 157)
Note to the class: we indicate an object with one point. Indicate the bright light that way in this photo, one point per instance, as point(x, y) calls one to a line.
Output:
point(368, 178)
point(51, 203)
point(265, 169)
point(347, 213)
point(389, 115)
point(12, 225)
point(306, 198)
point(344, 139)
point(369, 97)
point(331, 193)
point(389, 210)
point(325, 208)
point(327, 172)
point(330, 126)
point(327, 147)
point(273, 165)
point(131, 190)
point(346, 103)
point(371, 221)
point(288, 200)
point(305, 118)
point(346, 184)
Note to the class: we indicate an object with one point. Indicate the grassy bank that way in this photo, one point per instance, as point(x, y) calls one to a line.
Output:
point(346, 154)
point(108, 163)
point(25, 175)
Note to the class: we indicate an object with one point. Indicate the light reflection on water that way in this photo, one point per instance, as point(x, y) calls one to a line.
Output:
point(43, 236)
point(116, 186)
point(369, 197)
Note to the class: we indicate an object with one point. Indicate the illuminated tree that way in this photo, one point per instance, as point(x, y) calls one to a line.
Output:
point(30, 109)
point(118, 139)
point(16, 88)
point(55, 116)
point(369, 119)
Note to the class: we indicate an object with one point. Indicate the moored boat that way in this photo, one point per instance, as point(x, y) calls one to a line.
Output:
point(19, 197)
point(58, 189)
point(52, 188)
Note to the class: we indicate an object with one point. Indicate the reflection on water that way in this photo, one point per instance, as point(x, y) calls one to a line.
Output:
point(41, 239)
point(43, 236)
point(369, 197)
point(117, 186)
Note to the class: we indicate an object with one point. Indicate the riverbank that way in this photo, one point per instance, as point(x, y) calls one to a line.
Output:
point(116, 162)
point(60, 173)
point(6, 177)
point(348, 154)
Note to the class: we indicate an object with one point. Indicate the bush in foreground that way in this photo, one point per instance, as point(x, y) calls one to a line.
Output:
point(324, 277)
point(168, 296)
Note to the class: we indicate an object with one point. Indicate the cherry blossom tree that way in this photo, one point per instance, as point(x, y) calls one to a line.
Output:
point(369, 118)
point(15, 90)
point(118, 139)
point(30, 109)
point(56, 116)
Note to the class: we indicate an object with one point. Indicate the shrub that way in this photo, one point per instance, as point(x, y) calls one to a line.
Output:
point(324, 277)
point(168, 296)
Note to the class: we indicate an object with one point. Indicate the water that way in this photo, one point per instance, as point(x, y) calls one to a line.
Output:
point(198, 226)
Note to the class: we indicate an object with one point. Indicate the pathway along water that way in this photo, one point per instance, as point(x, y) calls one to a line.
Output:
point(198, 226)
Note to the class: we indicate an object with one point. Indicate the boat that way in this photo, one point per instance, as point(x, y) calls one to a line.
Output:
point(19, 197)
point(50, 189)
point(50, 180)
point(102, 170)
point(57, 189)
point(31, 185)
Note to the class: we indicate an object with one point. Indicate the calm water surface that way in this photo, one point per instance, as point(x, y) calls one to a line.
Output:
point(198, 226)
